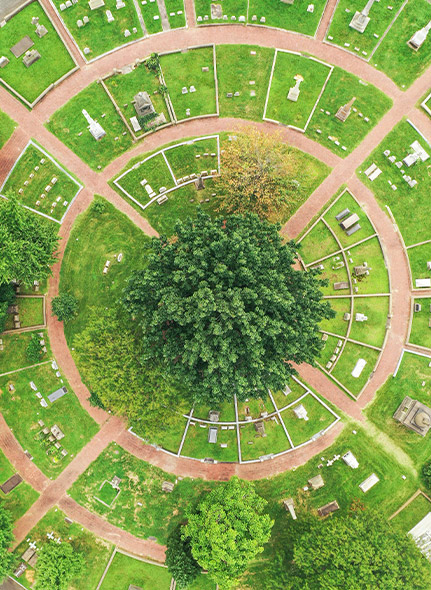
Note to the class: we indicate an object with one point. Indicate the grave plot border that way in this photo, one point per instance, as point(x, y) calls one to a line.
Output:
point(424, 104)
point(59, 166)
point(416, 295)
point(31, 328)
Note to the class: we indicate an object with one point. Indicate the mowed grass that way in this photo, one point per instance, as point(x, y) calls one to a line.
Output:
point(373, 330)
point(378, 280)
point(7, 126)
point(394, 56)
point(183, 69)
point(125, 571)
point(254, 445)
point(176, 13)
point(30, 311)
point(13, 356)
point(293, 17)
point(21, 410)
point(347, 201)
point(196, 443)
point(70, 126)
point(287, 66)
point(318, 243)
point(40, 193)
point(349, 357)
point(421, 329)
point(95, 238)
point(197, 156)
point(300, 430)
point(149, 11)
point(418, 258)
point(96, 551)
point(337, 325)
point(410, 206)
point(98, 35)
point(414, 371)
point(236, 68)
point(409, 517)
point(19, 500)
point(230, 8)
point(370, 104)
point(55, 60)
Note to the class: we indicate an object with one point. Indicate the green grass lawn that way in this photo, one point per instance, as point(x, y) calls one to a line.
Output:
point(196, 443)
point(406, 202)
point(287, 66)
point(98, 35)
point(96, 238)
point(55, 60)
point(125, 570)
point(195, 156)
point(343, 369)
point(254, 445)
point(227, 411)
point(21, 410)
point(7, 127)
point(235, 75)
point(328, 350)
point(337, 325)
point(231, 8)
point(333, 274)
point(125, 86)
point(418, 258)
point(405, 520)
point(346, 201)
point(170, 439)
point(362, 44)
point(70, 126)
point(184, 69)
point(254, 407)
point(282, 400)
point(107, 493)
point(30, 311)
point(13, 356)
point(149, 10)
point(176, 13)
point(394, 56)
point(421, 331)
point(293, 17)
point(95, 550)
point(371, 253)
point(318, 243)
point(19, 500)
point(373, 330)
point(301, 430)
point(36, 169)
point(413, 372)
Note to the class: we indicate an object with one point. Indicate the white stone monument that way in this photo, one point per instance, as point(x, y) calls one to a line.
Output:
point(361, 19)
point(94, 127)
point(294, 91)
point(419, 37)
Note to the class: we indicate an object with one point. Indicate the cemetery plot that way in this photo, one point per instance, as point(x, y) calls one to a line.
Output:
point(15, 494)
point(334, 271)
point(7, 127)
point(292, 16)
point(189, 77)
point(359, 28)
point(348, 110)
point(266, 437)
point(216, 441)
point(228, 11)
point(413, 513)
point(405, 52)
point(226, 411)
point(136, 93)
point(317, 418)
point(339, 324)
point(318, 241)
point(356, 230)
point(413, 379)
point(56, 527)
point(27, 312)
point(254, 408)
point(15, 350)
point(372, 330)
point(151, 14)
point(98, 28)
point(32, 55)
point(398, 172)
point(176, 13)
point(171, 439)
point(419, 257)
point(293, 391)
point(41, 184)
point(355, 367)
point(128, 572)
point(243, 81)
point(332, 346)
point(50, 431)
point(199, 156)
point(97, 141)
point(420, 332)
point(368, 269)
point(295, 87)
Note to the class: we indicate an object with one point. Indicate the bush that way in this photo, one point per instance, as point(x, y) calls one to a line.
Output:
point(7, 297)
point(180, 561)
point(98, 207)
point(65, 307)
point(34, 351)
point(426, 474)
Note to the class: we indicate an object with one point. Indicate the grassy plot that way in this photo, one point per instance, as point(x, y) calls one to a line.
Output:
point(254, 407)
point(158, 512)
point(22, 410)
point(301, 430)
point(237, 66)
point(414, 371)
point(151, 14)
point(195, 156)
point(55, 60)
point(350, 356)
point(170, 439)
point(44, 186)
point(340, 33)
point(230, 8)
point(13, 356)
point(373, 330)
point(394, 56)
point(255, 445)
point(405, 520)
point(418, 258)
point(125, 571)
point(95, 238)
point(334, 271)
point(409, 205)
point(95, 550)
point(7, 127)
point(337, 325)
point(227, 411)
point(19, 500)
point(421, 323)
point(293, 17)
point(125, 86)
point(370, 252)
point(196, 443)
point(99, 35)
point(328, 350)
point(176, 13)
point(154, 174)
point(184, 70)
point(287, 67)
point(282, 399)
point(346, 201)
point(70, 126)
point(30, 311)
point(318, 243)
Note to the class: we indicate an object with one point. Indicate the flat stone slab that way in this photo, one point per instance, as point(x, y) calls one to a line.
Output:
point(22, 46)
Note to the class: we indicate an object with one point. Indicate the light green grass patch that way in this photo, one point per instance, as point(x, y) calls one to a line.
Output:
point(254, 445)
point(412, 514)
point(346, 201)
point(176, 13)
point(125, 571)
point(7, 127)
point(149, 10)
point(420, 333)
point(377, 281)
point(30, 311)
point(418, 258)
point(301, 430)
point(373, 330)
point(254, 407)
point(227, 411)
point(337, 325)
point(282, 400)
point(231, 8)
point(196, 443)
point(287, 66)
point(293, 17)
point(349, 357)
point(13, 356)
point(318, 243)
point(328, 350)
point(19, 500)
point(194, 156)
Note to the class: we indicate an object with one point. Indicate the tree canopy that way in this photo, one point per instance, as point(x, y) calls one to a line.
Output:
point(259, 174)
point(223, 309)
point(179, 559)
point(27, 243)
point(7, 297)
point(57, 565)
point(227, 530)
point(6, 540)
point(65, 307)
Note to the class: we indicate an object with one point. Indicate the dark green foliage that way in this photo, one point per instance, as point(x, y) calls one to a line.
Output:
point(163, 89)
point(7, 297)
point(27, 244)
point(153, 63)
point(6, 540)
point(34, 350)
point(223, 309)
point(65, 307)
point(98, 206)
point(180, 561)
point(57, 566)
point(426, 474)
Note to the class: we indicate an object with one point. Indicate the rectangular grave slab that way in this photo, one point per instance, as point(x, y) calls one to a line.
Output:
point(22, 46)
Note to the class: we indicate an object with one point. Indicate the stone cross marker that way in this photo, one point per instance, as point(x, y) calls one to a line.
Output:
point(293, 94)
point(361, 19)
point(345, 110)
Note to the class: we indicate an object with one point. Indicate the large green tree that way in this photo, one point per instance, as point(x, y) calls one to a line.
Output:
point(223, 308)
point(7, 297)
point(227, 530)
point(179, 559)
point(27, 243)
point(57, 565)
point(6, 540)
point(360, 551)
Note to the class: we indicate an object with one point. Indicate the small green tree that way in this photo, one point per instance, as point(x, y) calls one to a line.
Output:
point(6, 540)
point(65, 307)
point(227, 530)
point(179, 559)
point(57, 566)
point(34, 351)
point(153, 63)
point(7, 297)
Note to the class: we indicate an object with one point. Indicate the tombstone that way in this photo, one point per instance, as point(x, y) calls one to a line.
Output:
point(368, 483)
point(260, 428)
point(310, 8)
point(168, 486)
point(192, 89)
point(30, 57)
point(360, 317)
point(316, 482)
point(184, 90)
point(94, 4)
point(419, 37)
point(350, 460)
point(287, 1)
point(414, 415)
point(328, 508)
point(361, 19)
point(58, 434)
point(345, 110)
point(95, 128)
point(109, 16)
point(301, 413)
point(127, 33)
point(41, 31)
point(212, 434)
point(289, 505)
point(143, 105)
point(216, 11)
point(205, 69)
point(3, 61)
point(293, 94)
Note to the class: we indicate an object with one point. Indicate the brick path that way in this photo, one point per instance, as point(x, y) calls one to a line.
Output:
point(31, 125)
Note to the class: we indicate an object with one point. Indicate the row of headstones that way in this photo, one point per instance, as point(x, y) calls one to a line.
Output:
point(407, 178)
